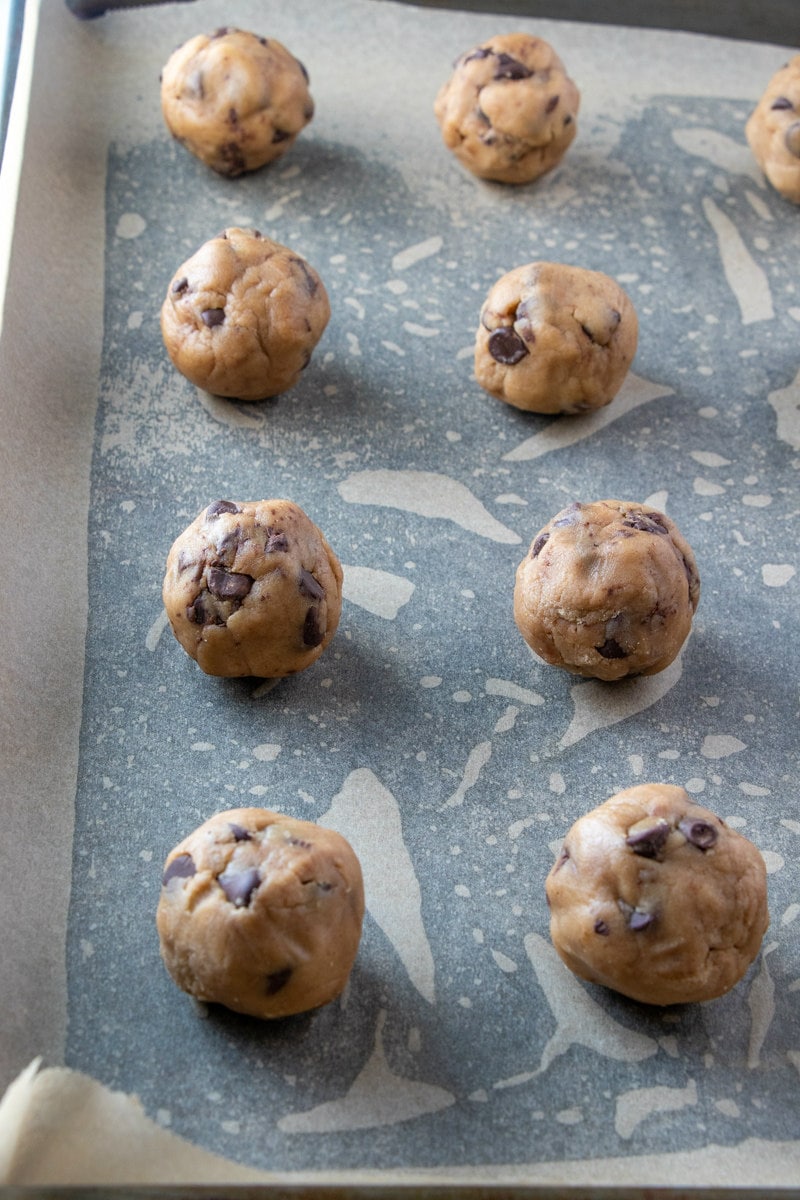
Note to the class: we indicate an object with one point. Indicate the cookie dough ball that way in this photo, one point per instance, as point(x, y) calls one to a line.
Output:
point(773, 131)
point(261, 912)
point(253, 588)
point(242, 316)
point(235, 100)
point(607, 590)
point(555, 339)
point(657, 898)
point(508, 112)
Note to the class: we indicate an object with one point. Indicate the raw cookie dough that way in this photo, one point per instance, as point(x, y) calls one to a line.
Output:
point(555, 339)
point(508, 112)
point(235, 100)
point(657, 898)
point(242, 316)
point(253, 588)
point(261, 912)
point(607, 589)
point(773, 131)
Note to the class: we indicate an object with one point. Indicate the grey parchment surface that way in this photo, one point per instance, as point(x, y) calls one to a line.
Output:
point(451, 758)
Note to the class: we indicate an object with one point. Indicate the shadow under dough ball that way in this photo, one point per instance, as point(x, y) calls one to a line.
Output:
point(554, 338)
point(607, 590)
point(773, 131)
point(243, 315)
point(657, 898)
point(253, 589)
point(261, 912)
point(508, 111)
point(235, 100)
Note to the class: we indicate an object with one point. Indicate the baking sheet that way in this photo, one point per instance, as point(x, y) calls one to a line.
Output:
point(427, 733)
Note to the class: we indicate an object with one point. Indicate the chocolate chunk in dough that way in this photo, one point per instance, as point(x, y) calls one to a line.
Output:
point(680, 918)
point(269, 921)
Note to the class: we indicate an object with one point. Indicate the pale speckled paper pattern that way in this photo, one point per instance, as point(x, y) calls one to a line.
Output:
point(452, 760)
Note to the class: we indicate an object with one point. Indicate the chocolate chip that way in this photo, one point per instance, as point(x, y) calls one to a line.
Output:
point(699, 833)
point(540, 541)
point(296, 841)
point(239, 886)
point(640, 920)
point(309, 586)
point(228, 585)
point(480, 52)
point(187, 563)
point(309, 279)
point(612, 649)
point(181, 867)
point(277, 980)
point(213, 316)
point(223, 31)
point(567, 516)
point(179, 286)
point(227, 548)
point(551, 104)
point(791, 139)
point(648, 843)
point(240, 834)
point(280, 135)
point(781, 103)
point(313, 633)
point(194, 84)
point(201, 612)
point(510, 68)
point(506, 346)
point(562, 858)
point(602, 928)
point(645, 522)
point(221, 506)
point(276, 543)
point(232, 158)
point(304, 72)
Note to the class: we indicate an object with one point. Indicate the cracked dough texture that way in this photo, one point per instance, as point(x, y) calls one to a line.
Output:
point(607, 589)
point(554, 338)
point(253, 588)
point(261, 912)
point(242, 316)
point(773, 131)
point(657, 898)
point(508, 112)
point(235, 100)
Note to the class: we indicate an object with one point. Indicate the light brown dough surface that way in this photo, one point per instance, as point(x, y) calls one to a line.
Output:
point(657, 898)
point(554, 338)
point(773, 131)
point(235, 100)
point(242, 316)
point(607, 589)
point(253, 588)
point(508, 111)
point(261, 912)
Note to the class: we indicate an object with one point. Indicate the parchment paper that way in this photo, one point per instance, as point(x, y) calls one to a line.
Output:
point(428, 734)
